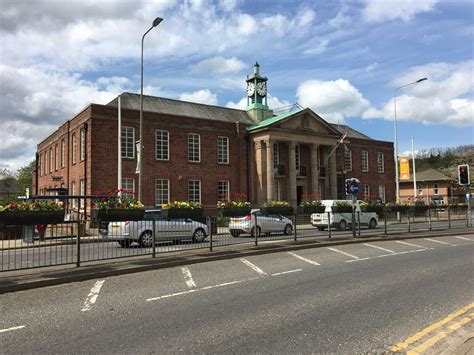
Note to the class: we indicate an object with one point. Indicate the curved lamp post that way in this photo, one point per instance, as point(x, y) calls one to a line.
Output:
point(156, 22)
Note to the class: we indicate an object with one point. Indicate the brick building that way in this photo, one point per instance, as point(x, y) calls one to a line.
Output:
point(205, 153)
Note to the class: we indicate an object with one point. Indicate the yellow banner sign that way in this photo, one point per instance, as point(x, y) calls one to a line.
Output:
point(404, 168)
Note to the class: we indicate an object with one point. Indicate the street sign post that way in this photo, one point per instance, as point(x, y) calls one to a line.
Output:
point(352, 188)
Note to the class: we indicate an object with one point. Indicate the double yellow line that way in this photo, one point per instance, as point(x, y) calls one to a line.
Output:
point(426, 344)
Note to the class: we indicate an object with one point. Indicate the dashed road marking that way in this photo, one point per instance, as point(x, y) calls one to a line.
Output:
point(304, 259)
point(343, 252)
point(380, 248)
point(385, 255)
point(463, 238)
point(286, 272)
point(92, 296)
point(188, 277)
point(253, 267)
point(439, 242)
point(12, 328)
point(410, 244)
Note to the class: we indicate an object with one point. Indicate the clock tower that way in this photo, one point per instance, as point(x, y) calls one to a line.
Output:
point(257, 95)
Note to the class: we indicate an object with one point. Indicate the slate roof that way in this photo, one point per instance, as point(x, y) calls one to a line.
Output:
point(428, 175)
point(182, 108)
point(351, 132)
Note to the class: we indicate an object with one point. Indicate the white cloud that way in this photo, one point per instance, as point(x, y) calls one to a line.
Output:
point(218, 65)
point(241, 105)
point(445, 98)
point(273, 103)
point(340, 20)
point(317, 47)
point(204, 96)
point(386, 10)
point(334, 100)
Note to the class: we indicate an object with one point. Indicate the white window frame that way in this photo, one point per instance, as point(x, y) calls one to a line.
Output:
point(74, 148)
point(277, 188)
point(276, 154)
point(382, 193)
point(365, 161)
point(348, 159)
point(63, 153)
point(366, 191)
point(82, 144)
point(435, 188)
point(82, 191)
point(192, 144)
point(51, 159)
point(221, 191)
point(190, 193)
point(45, 166)
point(125, 186)
point(127, 142)
point(56, 157)
point(380, 162)
point(73, 192)
point(160, 194)
point(222, 150)
point(162, 143)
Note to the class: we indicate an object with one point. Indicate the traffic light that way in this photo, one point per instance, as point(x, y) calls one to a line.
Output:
point(463, 175)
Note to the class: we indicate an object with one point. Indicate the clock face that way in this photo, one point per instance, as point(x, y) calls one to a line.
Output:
point(250, 89)
point(262, 88)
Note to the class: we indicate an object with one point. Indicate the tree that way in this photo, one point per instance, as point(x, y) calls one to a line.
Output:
point(24, 176)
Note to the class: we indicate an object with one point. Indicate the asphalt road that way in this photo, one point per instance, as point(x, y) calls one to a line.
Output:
point(347, 299)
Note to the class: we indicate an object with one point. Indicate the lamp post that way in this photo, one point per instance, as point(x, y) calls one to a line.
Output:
point(140, 152)
point(397, 183)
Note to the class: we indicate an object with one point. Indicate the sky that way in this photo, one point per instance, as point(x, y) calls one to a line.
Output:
point(343, 59)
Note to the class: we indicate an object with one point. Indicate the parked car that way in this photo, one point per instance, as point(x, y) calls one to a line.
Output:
point(342, 220)
point(127, 232)
point(261, 223)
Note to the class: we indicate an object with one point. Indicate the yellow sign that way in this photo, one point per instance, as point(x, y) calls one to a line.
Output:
point(404, 168)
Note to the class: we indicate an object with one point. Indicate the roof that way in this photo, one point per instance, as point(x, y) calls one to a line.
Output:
point(272, 120)
point(428, 175)
point(351, 132)
point(182, 108)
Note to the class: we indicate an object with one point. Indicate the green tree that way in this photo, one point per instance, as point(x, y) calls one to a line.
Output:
point(24, 176)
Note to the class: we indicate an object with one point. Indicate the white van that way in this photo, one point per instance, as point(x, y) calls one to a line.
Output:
point(342, 220)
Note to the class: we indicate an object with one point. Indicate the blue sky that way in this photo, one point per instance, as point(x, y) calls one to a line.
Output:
point(343, 59)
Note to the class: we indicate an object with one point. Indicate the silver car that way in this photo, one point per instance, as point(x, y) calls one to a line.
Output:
point(258, 221)
point(127, 232)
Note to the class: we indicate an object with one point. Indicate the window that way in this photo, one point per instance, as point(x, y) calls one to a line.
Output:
point(435, 188)
point(276, 154)
point(277, 190)
point(297, 156)
point(129, 186)
point(194, 191)
point(222, 150)
point(347, 159)
point(56, 157)
point(162, 191)
point(74, 148)
point(82, 144)
point(127, 137)
point(162, 142)
point(45, 165)
point(223, 191)
point(380, 163)
point(63, 153)
point(73, 192)
point(382, 193)
point(365, 161)
point(194, 148)
point(82, 191)
point(51, 159)
point(366, 193)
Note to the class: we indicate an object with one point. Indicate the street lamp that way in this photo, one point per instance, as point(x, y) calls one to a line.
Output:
point(140, 152)
point(396, 137)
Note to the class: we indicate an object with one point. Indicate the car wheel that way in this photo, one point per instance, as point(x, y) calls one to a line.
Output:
point(288, 229)
point(124, 243)
point(199, 236)
point(342, 225)
point(321, 228)
point(235, 234)
point(372, 223)
point(146, 239)
point(252, 233)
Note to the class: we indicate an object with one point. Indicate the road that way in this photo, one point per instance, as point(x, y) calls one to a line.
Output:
point(345, 299)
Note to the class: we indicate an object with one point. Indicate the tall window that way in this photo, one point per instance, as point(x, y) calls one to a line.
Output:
point(382, 192)
point(51, 159)
point(276, 154)
point(366, 193)
point(277, 188)
point(127, 137)
point(162, 191)
point(128, 185)
point(298, 156)
point(380, 163)
point(162, 143)
point(56, 157)
point(74, 148)
point(194, 147)
point(40, 164)
point(435, 188)
point(223, 191)
point(45, 165)
point(222, 150)
point(365, 161)
point(82, 191)
point(194, 191)
point(63, 153)
point(82, 144)
point(73, 192)
point(347, 159)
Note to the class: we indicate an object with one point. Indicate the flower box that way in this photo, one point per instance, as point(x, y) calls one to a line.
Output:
point(111, 215)
point(29, 218)
point(281, 210)
point(180, 213)
point(341, 209)
point(235, 211)
point(313, 209)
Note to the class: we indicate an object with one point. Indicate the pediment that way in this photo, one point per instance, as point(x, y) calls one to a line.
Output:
point(306, 121)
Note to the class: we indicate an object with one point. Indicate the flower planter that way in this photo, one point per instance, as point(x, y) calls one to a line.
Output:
point(313, 209)
point(399, 208)
point(235, 211)
point(421, 208)
point(180, 213)
point(341, 209)
point(376, 209)
point(29, 218)
point(282, 210)
point(120, 215)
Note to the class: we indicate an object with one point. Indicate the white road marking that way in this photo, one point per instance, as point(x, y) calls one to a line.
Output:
point(304, 259)
point(12, 328)
point(92, 296)
point(410, 244)
point(343, 252)
point(380, 248)
point(286, 272)
point(253, 267)
point(188, 277)
point(384, 255)
point(463, 238)
point(439, 241)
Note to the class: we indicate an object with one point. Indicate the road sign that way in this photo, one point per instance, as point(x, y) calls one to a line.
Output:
point(354, 187)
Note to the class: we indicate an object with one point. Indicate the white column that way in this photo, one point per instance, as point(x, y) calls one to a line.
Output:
point(333, 176)
point(260, 167)
point(270, 170)
point(315, 170)
point(292, 174)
